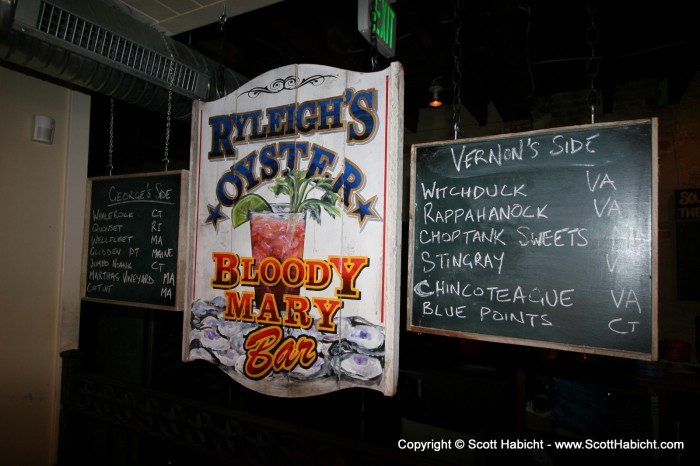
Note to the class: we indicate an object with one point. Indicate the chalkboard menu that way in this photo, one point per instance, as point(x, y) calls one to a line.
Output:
point(135, 235)
point(545, 238)
point(687, 204)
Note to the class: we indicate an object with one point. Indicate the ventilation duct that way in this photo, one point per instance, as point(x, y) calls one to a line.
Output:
point(92, 46)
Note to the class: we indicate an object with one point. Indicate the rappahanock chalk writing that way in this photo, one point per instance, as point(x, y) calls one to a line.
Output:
point(432, 213)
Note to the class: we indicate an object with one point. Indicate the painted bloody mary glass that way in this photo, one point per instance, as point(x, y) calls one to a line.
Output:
point(277, 234)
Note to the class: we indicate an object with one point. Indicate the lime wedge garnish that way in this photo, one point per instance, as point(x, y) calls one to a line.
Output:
point(247, 203)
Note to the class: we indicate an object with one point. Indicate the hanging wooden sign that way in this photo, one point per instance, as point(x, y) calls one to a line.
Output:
point(296, 218)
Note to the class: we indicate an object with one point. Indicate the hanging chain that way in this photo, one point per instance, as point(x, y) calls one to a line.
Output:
point(220, 83)
point(456, 73)
point(593, 65)
point(528, 50)
point(171, 79)
point(111, 134)
point(373, 34)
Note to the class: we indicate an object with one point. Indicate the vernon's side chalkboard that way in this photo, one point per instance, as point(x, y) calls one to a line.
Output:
point(545, 238)
point(135, 239)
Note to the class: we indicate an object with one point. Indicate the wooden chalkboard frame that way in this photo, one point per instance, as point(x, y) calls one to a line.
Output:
point(182, 240)
point(652, 353)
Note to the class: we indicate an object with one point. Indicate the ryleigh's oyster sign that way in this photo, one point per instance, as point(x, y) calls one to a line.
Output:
point(296, 208)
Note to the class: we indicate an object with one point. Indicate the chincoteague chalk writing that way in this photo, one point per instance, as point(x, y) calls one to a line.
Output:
point(133, 236)
point(542, 238)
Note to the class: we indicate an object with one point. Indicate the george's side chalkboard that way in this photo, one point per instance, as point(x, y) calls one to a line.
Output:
point(135, 240)
point(545, 238)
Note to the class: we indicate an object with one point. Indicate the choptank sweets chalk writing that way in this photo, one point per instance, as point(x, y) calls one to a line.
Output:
point(545, 238)
point(134, 235)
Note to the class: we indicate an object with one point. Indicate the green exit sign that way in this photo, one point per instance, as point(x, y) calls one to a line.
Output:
point(384, 26)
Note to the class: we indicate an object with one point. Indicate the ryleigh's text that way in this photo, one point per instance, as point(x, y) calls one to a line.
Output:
point(306, 118)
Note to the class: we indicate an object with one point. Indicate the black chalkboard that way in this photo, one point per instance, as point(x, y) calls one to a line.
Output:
point(545, 238)
point(687, 206)
point(135, 235)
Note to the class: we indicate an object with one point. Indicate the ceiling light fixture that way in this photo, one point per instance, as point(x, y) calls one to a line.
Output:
point(435, 89)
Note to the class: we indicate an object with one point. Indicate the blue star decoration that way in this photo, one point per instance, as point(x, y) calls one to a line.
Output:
point(364, 209)
point(215, 215)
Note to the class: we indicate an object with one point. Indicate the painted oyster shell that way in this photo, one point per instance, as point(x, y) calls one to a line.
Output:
point(360, 366)
point(355, 350)
point(318, 369)
point(362, 334)
point(211, 339)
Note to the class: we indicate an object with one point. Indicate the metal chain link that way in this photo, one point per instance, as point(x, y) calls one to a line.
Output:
point(456, 73)
point(528, 50)
point(171, 79)
point(220, 83)
point(373, 35)
point(110, 166)
point(593, 65)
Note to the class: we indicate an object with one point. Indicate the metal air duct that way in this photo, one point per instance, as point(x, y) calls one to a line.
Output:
point(92, 46)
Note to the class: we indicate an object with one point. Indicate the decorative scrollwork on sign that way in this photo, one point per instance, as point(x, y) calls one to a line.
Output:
point(289, 83)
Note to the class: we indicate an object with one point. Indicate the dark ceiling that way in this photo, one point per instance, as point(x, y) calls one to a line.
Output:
point(510, 52)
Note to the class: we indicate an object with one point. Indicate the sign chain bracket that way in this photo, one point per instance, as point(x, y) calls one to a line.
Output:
point(373, 35)
point(456, 73)
point(593, 65)
point(220, 81)
point(171, 79)
point(110, 165)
